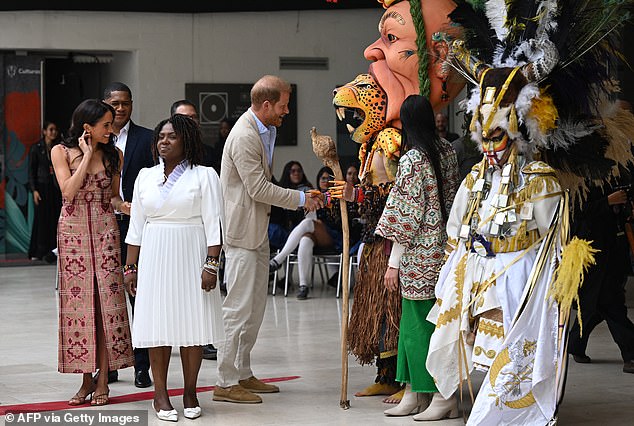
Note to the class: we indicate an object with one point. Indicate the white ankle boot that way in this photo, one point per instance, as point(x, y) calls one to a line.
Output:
point(411, 403)
point(440, 408)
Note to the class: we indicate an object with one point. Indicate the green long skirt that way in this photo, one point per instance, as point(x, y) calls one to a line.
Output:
point(413, 344)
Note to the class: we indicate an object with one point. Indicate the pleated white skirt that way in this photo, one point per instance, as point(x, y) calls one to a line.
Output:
point(171, 309)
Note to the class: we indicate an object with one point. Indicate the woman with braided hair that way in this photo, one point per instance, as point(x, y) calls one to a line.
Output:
point(175, 239)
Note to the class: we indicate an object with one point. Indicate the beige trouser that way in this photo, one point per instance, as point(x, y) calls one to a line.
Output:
point(247, 273)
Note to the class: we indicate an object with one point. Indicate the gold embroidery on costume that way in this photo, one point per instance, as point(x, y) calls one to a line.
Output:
point(454, 313)
point(536, 186)
point(520, 241)
point(487, 327)
point(469, 181)
point(479, 350)
point(512, 386)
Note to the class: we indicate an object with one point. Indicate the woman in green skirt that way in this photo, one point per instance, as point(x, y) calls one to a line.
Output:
point(414, 220)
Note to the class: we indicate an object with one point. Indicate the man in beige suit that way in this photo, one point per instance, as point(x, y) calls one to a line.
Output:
point(248, 192)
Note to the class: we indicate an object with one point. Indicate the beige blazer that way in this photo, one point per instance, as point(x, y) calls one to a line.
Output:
point(245, 177)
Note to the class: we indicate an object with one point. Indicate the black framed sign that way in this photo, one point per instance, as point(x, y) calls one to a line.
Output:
point(218, 101)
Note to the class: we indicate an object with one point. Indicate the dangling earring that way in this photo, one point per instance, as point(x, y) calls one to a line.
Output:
point(444, 96)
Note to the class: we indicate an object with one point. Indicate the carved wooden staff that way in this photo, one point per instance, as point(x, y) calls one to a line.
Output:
point(325, 149)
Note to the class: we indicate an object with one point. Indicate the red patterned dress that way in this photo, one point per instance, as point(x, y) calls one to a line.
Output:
point(90, 268)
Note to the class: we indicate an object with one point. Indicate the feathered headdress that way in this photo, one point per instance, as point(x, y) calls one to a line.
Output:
point(543, 71)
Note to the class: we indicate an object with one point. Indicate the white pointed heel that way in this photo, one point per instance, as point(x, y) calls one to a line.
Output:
point(411, 403)
point(192, 413)
point(168, 416)
point(440, 408)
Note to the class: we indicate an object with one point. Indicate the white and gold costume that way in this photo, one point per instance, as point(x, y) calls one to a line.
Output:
point(497, 228)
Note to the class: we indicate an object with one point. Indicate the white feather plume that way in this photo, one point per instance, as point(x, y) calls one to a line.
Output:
point(472, 102)
point(549, 10)
point(495, 11)
point(525, 100)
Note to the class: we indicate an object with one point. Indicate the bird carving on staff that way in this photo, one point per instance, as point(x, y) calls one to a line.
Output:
point(325, 149)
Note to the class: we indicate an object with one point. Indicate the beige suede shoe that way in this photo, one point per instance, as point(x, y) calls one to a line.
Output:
point(237, 394)
point(254, 385)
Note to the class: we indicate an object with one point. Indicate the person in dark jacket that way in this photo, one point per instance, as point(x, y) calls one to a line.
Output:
point(136, 143)
point(602, 220)
point(47, 197)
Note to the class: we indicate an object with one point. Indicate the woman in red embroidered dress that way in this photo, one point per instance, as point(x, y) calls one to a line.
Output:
point(94, 331)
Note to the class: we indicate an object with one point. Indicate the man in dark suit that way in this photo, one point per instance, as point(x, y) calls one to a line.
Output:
point(187, 108)
point(136, 143)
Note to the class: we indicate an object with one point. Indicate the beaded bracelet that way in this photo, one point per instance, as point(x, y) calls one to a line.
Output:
point(212, 262)
point(211, 265)
point(129, 269)
point(211, 271)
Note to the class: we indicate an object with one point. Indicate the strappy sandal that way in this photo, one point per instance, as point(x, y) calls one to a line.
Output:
point(79, 399)
point(99, 400)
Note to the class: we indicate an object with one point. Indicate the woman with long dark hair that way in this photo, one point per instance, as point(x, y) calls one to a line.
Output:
point(321, 229)
point(414, 220)
point(293, 177)
point(283, 221)
point(46, 195)
point(94, 331)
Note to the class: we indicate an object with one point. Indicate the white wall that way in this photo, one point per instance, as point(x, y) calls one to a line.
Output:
point(156, 54)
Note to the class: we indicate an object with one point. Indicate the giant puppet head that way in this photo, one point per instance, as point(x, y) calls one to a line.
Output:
point(405, 60)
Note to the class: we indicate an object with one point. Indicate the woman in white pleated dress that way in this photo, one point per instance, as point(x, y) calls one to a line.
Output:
point(175, 234)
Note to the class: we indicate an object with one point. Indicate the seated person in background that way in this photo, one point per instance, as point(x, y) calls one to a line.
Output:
point(322, 229)
point(352, 174)
point(282, 221)
point(293, 177)
point(278, 228)
point(356, 226)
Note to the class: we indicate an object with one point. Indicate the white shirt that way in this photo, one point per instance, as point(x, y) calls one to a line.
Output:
point(122, 140)
point(122, 137)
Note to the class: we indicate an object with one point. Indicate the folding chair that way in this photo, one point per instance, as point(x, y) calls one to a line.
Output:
point(322, 258)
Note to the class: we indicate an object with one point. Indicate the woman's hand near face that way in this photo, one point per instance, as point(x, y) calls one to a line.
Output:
point(85, 143)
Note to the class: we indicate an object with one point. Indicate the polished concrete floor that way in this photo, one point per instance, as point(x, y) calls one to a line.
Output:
point(298, 338)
